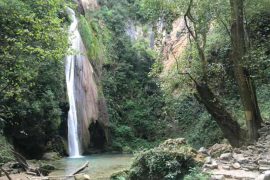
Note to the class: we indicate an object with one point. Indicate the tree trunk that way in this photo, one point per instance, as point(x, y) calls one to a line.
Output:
point(225, 121)
point(246, 87)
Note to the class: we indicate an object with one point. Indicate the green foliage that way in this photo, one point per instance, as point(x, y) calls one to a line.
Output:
point(92, 36)
point(134, 100)
point(33, 46)
point(210, 24)
point(5, 151)
point(192, 121)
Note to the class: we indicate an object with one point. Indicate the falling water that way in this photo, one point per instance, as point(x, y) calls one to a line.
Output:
point(75, 39)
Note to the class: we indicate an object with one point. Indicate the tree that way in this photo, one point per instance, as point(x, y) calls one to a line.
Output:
point(239, 57)
point(202, 17)
point(198, 28)
point(33, 44)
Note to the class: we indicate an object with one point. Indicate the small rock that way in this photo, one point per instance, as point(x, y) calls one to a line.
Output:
point(226, 156)
point(203, 150)
point(226, 167)
point(217, 177)
point(208, 160)
point(251, 147)
point(236, 166)
point(82, 177)
point(211, 166)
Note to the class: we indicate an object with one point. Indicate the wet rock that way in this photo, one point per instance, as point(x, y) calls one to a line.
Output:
point(236, 165)
point(50, 156)
point(226, 156)
point(82, 177)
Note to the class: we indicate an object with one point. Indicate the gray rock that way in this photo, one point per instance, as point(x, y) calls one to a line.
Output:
point(50, 156)
point(82, 177)
point(226, 156)
point(203, 150)
point(264, 162)
point(240, 158)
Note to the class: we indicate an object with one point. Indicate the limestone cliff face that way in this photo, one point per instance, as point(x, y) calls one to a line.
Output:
point(90, 108)
point(90, 5)
point(174, 44)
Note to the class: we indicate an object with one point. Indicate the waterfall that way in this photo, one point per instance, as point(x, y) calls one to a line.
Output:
point(75, 40)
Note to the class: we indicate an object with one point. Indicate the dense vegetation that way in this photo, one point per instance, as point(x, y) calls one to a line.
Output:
point(216, 89)
point(134, 100)
point(33, 44)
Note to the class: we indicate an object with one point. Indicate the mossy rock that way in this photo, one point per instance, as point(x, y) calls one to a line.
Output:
point(170, 160)
point(46, 169)
point(122, 175)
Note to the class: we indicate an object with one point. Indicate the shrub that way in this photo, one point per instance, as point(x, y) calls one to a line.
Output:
point(170, 160)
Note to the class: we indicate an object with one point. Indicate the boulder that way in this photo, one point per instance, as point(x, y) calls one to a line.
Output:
point(226, 156)
point(218, 149)
point(50, 156)
point(240, 158)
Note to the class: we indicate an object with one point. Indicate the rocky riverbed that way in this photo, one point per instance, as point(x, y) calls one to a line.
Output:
point(248, 162)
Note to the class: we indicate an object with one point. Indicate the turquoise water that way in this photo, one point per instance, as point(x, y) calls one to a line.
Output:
point(101, 166)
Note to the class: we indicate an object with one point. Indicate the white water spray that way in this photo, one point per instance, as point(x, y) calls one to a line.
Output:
point(75, 40)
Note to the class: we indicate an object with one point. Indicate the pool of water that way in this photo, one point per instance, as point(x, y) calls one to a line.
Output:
point(101, 166)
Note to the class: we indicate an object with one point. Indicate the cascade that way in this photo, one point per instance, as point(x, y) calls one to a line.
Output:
point(86, 107)
point(74, 38)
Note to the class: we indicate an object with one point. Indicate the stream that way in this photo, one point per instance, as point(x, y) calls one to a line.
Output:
point(101, 166)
